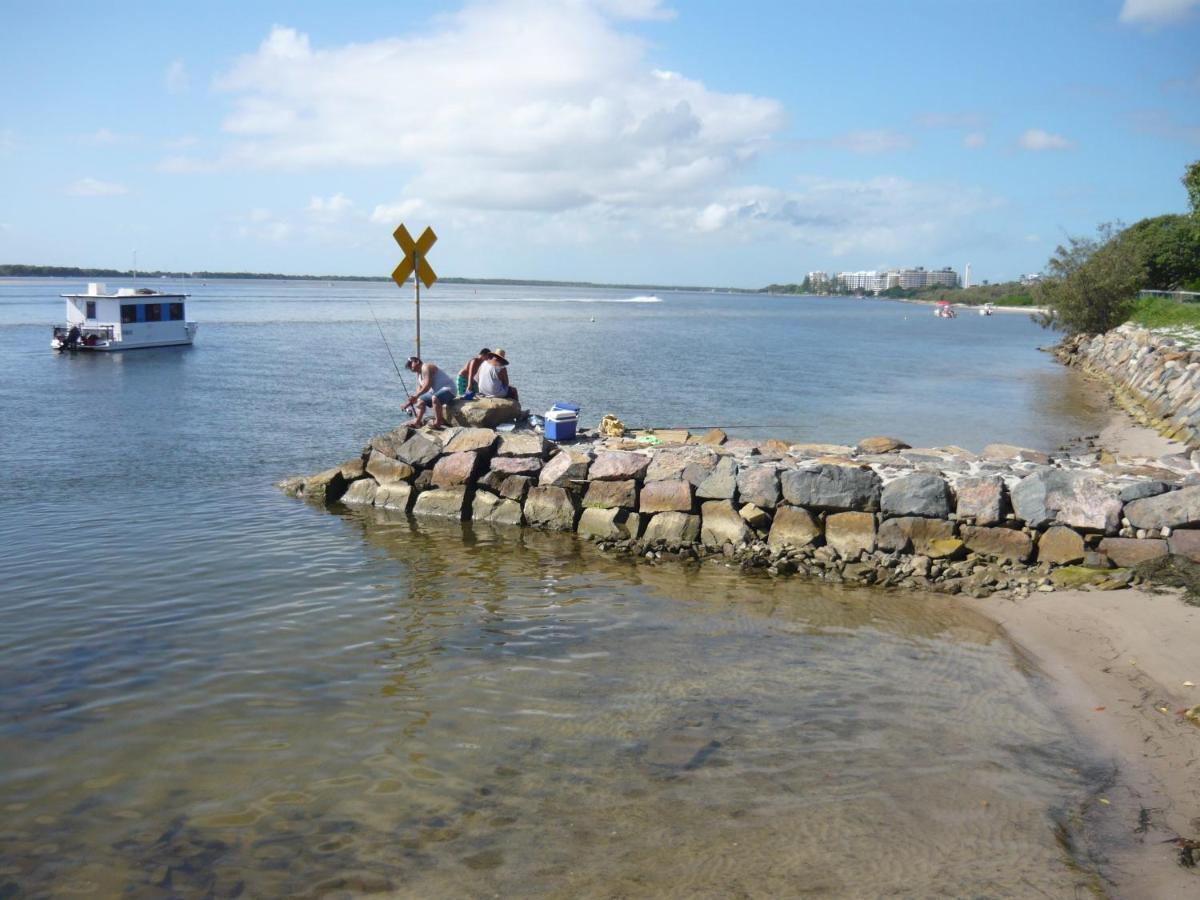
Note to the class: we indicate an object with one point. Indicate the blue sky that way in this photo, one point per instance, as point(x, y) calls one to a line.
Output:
point(613, 140)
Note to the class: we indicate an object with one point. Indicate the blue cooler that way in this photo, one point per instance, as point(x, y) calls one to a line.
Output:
point(561, 421)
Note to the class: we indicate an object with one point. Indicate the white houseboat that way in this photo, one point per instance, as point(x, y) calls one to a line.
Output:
point(130, 319)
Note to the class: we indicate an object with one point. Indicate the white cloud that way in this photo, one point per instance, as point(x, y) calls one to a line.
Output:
point(394, 213)
point(511, 105)
point(330, 208)
point(176, 78)
point(1037, 139)
point(262, 225)
point(94, 187)
point(872, 142)
point(1155, 12)
point(974, 140)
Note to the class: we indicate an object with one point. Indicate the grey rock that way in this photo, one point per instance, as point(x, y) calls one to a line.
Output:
point(325, 487)
point(672, 528)
point(608, 524)
point(419, 451)
point(721, 483)
point(485, 412)
point(759, 485)
point(515, 487)
point(665, 496)
point(550, 507)
point(487, 507)
point(480, 440)
point(618, 465)
point(1060, 546)
point(1130, 552)
point(792, 527)
point(611, 495)
point(918, 494)
point(1069, 498)
point(385, 469)
point(517, 465)
point(564, 467)
point(831, 487)
point(1174, 509)
point(1002, 543)
point(1140, 490)
point(361, 493)
point(721, 524)
point(850, 533)
point(389, 444)
point(445, 503)
point(395, 496)
point(522, 443)
point(913, 534)
point(981, 499)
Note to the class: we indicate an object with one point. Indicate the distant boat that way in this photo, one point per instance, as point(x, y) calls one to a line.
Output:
point(986, 309)
point(130, 319)
point(945, 311)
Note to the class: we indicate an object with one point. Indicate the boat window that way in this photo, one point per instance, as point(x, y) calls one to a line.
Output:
point(91, 309)
point(176, 311)
point(153, 312)
point(128, 313)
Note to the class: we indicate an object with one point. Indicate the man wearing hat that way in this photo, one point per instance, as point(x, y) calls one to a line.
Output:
point(492, 376)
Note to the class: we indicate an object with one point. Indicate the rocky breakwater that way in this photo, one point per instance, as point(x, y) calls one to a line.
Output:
point(1152, 376)
point(878, 513)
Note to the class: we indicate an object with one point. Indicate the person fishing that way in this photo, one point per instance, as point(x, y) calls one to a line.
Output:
point(469, 371)
point(434, 388)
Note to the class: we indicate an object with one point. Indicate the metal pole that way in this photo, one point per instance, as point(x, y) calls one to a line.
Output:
point(417, 285)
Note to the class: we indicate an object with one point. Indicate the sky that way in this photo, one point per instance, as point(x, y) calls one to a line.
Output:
point(627, 141)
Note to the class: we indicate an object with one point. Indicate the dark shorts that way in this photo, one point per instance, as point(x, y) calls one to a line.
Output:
point(443, 395)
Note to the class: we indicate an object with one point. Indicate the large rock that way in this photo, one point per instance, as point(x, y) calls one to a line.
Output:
point(918, 494)
point(515, 487)
point(792, 527)
point(833, 487)
point(913, 534)
point(689, 463)
point(361, 493)
point(666, 496)
point(395, 496)
point(880, 444)
point(446, 503)
point(484, 412)
point(1140, 490)
point(419, 451)
point(326, 487)
point(1009, 453)
point(481, 440)
point(389, 444)
point(522, 443)
point(721, 483)
point(720, 523)
point(850, 533)
point(759, 485)
point(455, 468)
point(672, 528)
point(1185, 542)
point(611, 495)
point(618, 465)
point(1069, 498)
point(566, 466)
point(550, 507)
point(1061, 546)
point(517, 465)
point(487, 507)
point(608, 524)
point(353, 469)
point(713, 438)
point(1174, 509)
point(1002, 543)
point(981, 499)
point(386, 470)
point(1130, 552)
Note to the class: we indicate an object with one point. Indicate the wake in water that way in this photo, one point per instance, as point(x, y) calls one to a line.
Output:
point(648, 298)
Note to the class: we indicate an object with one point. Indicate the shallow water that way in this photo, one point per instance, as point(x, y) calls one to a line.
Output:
point(209, 688)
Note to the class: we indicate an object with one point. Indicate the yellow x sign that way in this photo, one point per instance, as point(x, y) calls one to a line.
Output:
point(414, 256)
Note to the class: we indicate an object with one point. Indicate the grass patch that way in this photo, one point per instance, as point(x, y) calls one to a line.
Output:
point(1014, 300)
point(1160, 312)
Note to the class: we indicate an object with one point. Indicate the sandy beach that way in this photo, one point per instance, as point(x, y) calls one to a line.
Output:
point(1123, 665)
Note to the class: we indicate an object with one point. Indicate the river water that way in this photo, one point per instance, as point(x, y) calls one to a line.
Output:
point(207, 688)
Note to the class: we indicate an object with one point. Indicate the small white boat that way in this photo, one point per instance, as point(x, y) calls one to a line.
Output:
point(986, 309)
point(130, 319)
point(945, 311)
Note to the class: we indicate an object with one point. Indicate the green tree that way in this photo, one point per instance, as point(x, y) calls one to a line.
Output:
point(1091, 282)
point(1169, 248)
point(1191, 181)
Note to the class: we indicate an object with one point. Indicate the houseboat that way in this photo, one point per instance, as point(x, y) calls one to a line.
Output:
point(130, 319)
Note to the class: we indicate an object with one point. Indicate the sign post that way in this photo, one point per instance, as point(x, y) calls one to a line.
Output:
point(414, 261)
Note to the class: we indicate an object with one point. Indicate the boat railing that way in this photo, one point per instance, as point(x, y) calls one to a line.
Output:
point(99, 332)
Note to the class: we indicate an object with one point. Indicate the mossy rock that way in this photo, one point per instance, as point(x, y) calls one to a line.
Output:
point(1077, 576)
point(944, 548)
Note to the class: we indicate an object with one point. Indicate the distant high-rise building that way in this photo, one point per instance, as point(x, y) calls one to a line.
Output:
point(967, 275)
point(818, 281)
point(907, 279)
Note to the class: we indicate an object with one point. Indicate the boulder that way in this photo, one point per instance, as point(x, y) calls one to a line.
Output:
point(386, 470)
point(480, 440)
point(721, 524)
point(759, 485)
point(361, 493)
point(1009, 453)
point(389, 444)
point(672, 529)
point(522, 443)
point(1060, 546)
point(487, 507)
point(1140, 490)
point(517, 465)
point(850, 533)
point(756, 518)
point(833, 487)
point(550, 507)
point(484, 412)
point(515, 487)
point(1070, 498)
point(981, 499)
point(666, 496)
point(607, 524)
point(792, 527)
point(918, 494)
point(293, 487)
point(913, 534)
point(1174, 509)
point(445, 503)
point(325, 487)
point(611, 495)
point(713, 438)
point(1130, 551)
point(669, 464)
point(564, 467)
point(1185, 542)
point(419, 451)
point(455, 468)
point(353, 469)
point(721, 483)
point(1002, 543)
point(1078, 576)
point(618, 465)
point(880, 444)
point(398, 496)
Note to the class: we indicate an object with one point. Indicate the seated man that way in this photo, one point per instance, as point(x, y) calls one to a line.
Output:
point(434, 388)
point(492, 376)
point(467, 374)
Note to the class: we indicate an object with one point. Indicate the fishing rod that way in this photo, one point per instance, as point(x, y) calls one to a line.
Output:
point(395, 365)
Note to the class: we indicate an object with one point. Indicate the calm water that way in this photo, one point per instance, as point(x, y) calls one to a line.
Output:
point(208, 688)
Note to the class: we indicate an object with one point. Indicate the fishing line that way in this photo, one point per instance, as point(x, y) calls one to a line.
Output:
point(389, 347)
